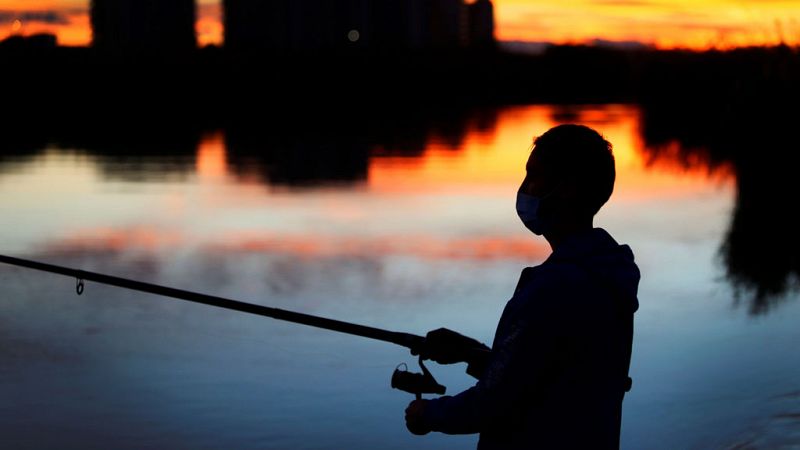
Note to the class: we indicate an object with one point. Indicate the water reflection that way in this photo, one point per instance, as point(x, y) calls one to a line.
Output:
point(138, 151)
point(434, 184)
point(404, 220)
point(750, 134)
point(386, 154)
point(414, 150)
point(299, 148)
point(299, 158)
point(324, 147)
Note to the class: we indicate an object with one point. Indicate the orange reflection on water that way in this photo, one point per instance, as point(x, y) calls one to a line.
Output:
point(136, 238)
point(209, 24)
point(451, 201)
point(482, 248)
point(211, 161)
point(496, 163)
point(305, 246)
point(482, 161)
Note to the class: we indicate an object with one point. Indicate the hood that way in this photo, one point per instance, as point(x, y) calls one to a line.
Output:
point(610, 263)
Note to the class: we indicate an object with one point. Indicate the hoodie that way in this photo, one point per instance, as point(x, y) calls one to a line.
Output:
point(558, 369)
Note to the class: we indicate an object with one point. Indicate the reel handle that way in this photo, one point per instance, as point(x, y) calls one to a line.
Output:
point(416, 383)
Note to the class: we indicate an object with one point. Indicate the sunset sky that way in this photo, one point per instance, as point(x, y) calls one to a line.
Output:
point(665, 23)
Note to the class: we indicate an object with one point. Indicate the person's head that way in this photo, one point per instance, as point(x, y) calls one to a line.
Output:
point(569, 177)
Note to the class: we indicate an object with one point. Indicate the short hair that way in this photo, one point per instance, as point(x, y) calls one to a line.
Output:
point(583, 154)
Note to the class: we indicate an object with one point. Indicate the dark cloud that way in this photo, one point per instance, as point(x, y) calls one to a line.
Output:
point(46, 16)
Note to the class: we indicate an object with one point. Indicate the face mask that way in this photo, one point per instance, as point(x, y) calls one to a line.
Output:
point(528, 212)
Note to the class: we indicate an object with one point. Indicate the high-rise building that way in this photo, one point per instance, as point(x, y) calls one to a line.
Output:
point(396, 24)
point(313, 24)
point(160, 26)
point(447, 28)
point(481, 24)
point(288, 25)
point(257, 24)
point(323, 25)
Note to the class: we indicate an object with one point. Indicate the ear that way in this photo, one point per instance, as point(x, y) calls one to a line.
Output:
point(573, 197)
point(570, 191)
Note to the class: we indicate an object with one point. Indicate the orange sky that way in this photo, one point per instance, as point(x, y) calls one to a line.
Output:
point(666, 23)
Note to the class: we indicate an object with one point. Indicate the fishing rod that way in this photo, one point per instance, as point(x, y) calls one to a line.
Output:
point(414, 383)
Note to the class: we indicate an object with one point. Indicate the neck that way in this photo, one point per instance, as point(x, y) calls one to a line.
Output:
point(557, 236)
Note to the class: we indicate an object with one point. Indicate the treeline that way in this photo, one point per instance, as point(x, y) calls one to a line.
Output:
point(217, 85)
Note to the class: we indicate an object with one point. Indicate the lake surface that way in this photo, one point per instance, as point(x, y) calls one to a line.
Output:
point(407, 233)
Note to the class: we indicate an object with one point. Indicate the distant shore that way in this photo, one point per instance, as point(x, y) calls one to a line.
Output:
point(222, 83)
point(700, 98)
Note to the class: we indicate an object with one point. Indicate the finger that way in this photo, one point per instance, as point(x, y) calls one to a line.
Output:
point(436, 332)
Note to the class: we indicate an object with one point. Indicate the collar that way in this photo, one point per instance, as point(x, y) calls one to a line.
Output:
point(579, 245)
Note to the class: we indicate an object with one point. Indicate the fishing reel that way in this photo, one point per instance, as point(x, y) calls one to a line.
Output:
point(416, 383)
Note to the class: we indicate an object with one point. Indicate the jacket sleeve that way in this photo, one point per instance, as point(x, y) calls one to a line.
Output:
point(520, 359)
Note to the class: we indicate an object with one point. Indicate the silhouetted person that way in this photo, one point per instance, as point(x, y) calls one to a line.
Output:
point(558, 368)
point(481, 24)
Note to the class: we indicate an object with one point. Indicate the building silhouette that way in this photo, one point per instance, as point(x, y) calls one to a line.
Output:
point(481, 24)
point(394, 24)
point(290, 25)
point(153, 26)
point(326, 25)
point(446, 19)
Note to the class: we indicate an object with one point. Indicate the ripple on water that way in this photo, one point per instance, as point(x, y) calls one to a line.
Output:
point(781, 430)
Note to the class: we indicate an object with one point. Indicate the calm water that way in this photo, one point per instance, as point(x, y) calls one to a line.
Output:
point(409, 234)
